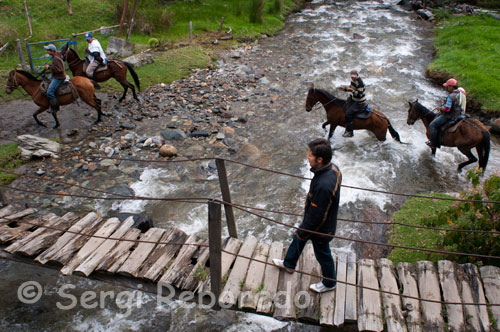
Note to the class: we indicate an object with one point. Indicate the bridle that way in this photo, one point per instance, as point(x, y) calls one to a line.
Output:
point(324, 105)
point(16, 85)
point(65, 57)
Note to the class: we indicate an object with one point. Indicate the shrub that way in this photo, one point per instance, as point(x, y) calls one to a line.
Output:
point(256, 12)
point(473, 216)
point(277, 6)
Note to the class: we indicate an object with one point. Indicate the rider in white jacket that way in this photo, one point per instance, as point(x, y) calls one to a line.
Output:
point(96, 55)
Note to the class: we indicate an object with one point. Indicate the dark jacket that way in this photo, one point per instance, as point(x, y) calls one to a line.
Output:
point(57, 67)
point(358, 90)
point(322, 203)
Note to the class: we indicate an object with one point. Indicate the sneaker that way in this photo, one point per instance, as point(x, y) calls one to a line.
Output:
point(279, 263)
point(348, 134)
point(321, 288)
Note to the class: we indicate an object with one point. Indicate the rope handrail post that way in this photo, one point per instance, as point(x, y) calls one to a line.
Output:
point(226, 196)
point(215, 248)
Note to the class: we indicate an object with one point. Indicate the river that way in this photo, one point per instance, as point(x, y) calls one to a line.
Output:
point(319, 45)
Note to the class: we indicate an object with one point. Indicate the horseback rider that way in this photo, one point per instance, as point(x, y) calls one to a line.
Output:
point(57, 77)
point(96, 55)
point(451, 109)
point(355, 103)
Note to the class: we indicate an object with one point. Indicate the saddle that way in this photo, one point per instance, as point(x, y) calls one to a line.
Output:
point(365, 114)
point(64, 89)
point(452, 125)
point(101, 67)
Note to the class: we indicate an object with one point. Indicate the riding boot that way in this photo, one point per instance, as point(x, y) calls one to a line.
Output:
point(349, 130)
point(434, 141)
point(54, 105)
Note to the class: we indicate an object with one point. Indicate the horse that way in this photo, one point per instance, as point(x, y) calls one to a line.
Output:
point(469, 133)
point(116, 69)
point(83, 86)
point(376, 122)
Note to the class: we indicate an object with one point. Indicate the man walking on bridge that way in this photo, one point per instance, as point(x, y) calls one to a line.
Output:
point(322, 205)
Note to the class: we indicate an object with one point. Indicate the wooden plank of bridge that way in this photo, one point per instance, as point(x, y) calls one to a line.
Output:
point(271, 279)
point(284, 307)
point(67, 238)
point(428, 286)
point(115, 258)
point(472, 292)
point(369, 302)
point(43, 238)
point(340, 292)
point(107, 228)
point(11, 232)
point(392, 303)
point(96, 257)
point(18, 215)
point(45, 220)
point(351, 297)
point(199, 271)
point(451, 293)
point(233, 245)
point(253, 282)
point(5, 211)
point(177, 270)
point(232, 289)
point(309, 311)
point(327, 303)
point(132, 265)
point(491, 282)
point(163, 254)
point(408, 281)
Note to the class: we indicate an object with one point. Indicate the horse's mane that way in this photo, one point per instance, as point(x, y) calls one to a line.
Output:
point(331, 97)
point(28, 75)
point(425, 111)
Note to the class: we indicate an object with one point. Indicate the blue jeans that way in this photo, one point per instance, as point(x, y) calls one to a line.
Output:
point(54, 84)
point(434, 129)
point(321, 251)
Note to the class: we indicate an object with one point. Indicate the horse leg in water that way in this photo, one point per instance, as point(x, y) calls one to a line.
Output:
point(466, 151)
point(38, 111)
point(324, 125)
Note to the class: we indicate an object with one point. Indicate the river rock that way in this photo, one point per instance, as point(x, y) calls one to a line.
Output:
point(194, 151)
point(122, 189)
point(173, 135)
point(37, 147)
point(495, 127)
point(141, 221)
point(425, 14)
point(168, 151)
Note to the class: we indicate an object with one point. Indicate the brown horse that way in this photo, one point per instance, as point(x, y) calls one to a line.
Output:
point(376, 122)
point(116, 69)
point(31, 85)
point(470, 133)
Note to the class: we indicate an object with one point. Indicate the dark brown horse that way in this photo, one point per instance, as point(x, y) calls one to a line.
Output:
point(376, 122)
point(31, 85)
point(469, 134)
point(116, 69)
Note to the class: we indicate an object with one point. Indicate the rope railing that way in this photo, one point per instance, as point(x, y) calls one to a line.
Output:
point(266, 170)
point(249, 258)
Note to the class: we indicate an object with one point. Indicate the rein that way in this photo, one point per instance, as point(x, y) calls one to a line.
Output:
point(72, 62)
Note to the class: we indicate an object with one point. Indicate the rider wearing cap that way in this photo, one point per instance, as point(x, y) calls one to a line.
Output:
point(449, 110)
point(57, 78)
point(355, 103)
point(96, 55)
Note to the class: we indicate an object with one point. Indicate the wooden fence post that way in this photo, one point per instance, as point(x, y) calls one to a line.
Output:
point(122, 20)
point(226, 196)
point(21, 55)
point(215, 249)
point(70, 12)
point(221, 23)
point(132, 16)
point(190, 31)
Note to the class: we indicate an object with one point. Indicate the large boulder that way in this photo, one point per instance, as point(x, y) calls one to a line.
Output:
point(37, 147)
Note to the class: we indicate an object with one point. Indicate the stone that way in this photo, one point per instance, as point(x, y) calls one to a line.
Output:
point(168, 151)
point(120, 47)
point(495, 127)
point(200, 133)
point(140, 59)
point(37, 147)
point(122, 189)
point(228, 130)
point(128, 125)
point(173, 135)
point(141, 221)
point(194, 151)
point(264, 80)
point(425, 14)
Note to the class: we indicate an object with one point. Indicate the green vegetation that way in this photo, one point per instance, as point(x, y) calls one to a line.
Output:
point(9, 159)
point(201, 273)
point(414, 212)
point(468, 48)
point(163, 25)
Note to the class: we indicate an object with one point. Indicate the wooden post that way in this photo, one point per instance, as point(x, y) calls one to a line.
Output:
point(190, 31)
point(3, 48)
point(132, 16)
point(122, 20)
point(28, 18)
point(221, 23)
point(70, 12)
point(215, 248)
point(226, 196)
point(21, 55)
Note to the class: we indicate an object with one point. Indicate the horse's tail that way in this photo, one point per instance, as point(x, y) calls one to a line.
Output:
point(484, 150)
point(393, 131)
point(134, 75)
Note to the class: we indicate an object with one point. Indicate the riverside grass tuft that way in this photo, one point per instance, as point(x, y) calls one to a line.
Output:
point(468, 48)
point(9, 159)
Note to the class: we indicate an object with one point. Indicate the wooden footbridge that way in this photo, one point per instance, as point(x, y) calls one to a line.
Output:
point(374, 294)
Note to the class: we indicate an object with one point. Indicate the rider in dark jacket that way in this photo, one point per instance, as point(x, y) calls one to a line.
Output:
point(449, 111)
point(58, 76)
point(355, 103)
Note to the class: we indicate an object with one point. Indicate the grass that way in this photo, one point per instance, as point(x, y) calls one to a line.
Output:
point(468, 47)
point(413, 212)
point(9, 159)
